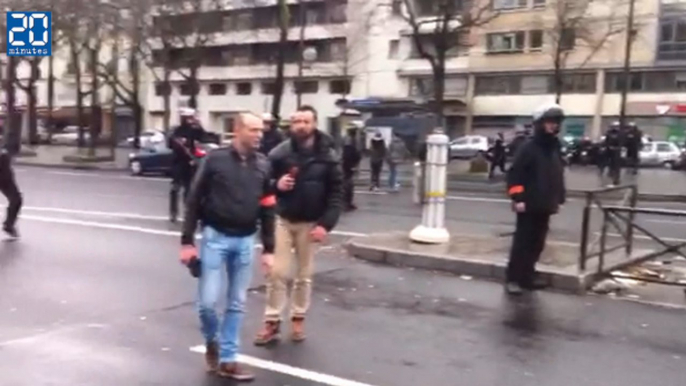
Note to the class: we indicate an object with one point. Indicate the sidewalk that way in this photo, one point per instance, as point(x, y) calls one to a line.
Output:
point(653, 184)
point(482, 257)
point(54, 156)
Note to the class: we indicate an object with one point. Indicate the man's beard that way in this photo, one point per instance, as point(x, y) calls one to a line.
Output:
point(303, 136)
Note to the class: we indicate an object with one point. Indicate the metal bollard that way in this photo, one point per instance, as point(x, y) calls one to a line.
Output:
point(432, 229)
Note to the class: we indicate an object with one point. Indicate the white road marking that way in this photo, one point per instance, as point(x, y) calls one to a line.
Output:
point(295, 372)
point(642, 237)
point(478, 199)
point(96, 213)
point(130, 228)
point(676, 222)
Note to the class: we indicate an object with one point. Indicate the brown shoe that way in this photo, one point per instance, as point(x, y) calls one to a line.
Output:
point(268, 335)
point(298, 329)
point(212, 356)
point(236, 372)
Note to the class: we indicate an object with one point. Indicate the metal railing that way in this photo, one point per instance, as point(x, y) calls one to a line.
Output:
point(594, 201)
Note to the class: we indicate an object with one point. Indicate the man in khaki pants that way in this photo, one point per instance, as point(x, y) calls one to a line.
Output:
point(309, 186)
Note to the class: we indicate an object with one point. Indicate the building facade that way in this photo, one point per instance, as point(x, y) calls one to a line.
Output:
point(365, 48)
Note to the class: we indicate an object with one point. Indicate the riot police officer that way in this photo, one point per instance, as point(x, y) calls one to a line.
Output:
point(9, 188)
point(633, 143)
point(183, 142)
point(537, 189)
point(612, 152)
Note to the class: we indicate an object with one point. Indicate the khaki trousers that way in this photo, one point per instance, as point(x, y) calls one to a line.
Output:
point(291, 236)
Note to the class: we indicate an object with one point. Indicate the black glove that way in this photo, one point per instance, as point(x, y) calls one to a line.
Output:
point(195, 267)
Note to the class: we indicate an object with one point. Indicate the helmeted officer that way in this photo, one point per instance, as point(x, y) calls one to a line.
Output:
point(9, 188)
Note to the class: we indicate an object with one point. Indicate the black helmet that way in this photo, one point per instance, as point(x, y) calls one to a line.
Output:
point(549, 112)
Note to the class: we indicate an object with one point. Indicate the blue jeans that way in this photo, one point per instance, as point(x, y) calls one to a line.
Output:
point(392, 175)
point(235, 255)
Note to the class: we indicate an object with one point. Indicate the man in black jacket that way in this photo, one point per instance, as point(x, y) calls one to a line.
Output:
point(230, 194)
point(537, 189)
point(308, 182)
point(633, 140)
point(612, 153)
point(8, 187)
point(183, 142)
point(351, 160)
point(272, 134)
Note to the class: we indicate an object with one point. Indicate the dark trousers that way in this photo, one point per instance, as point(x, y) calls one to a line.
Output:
point(376, 173)
point(348, 188)
point(527, 246)
point(614, 162)
point(9, 188)
point(497, 164)
point(632, 156)
point(181, 180)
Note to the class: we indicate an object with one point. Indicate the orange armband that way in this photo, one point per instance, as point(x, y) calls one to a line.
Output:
point(516, 189)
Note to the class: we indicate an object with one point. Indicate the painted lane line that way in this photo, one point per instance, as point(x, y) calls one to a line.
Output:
point(130, 228)
point(642, 237)
point(292, 371)
point(97, 213)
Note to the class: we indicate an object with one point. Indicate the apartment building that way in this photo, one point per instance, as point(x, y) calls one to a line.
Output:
point(364, 48)
point(509, 68)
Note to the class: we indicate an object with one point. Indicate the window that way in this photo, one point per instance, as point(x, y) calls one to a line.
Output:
point(188, 89)
point(217, 89)
point(455, 49)
point(340, 86)
point(577, 83)
point(498, 85)
point(397, 7)
point(162, 89)
point(421, 87)
point(672, 45)
point(539, 3)
point(268, 88)
point(244, 88)
point(306, 87)
point(436, 7)
point(393, 48)
point(338, 49)
point(509, 4)
point(455, 86)
point(649, 81)
point(505, 42)
point(535, 40)
point(534, 85)
point(567, 39)
point(664, 148)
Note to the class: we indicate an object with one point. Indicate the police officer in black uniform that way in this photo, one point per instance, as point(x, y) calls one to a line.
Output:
point(612, 152)
point(497, 155)
point(272, 134)
point(633, 141)
point(9, 188)
point(183, 142)
point(536, 186)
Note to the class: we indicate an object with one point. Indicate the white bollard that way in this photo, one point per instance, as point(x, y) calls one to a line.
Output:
point(432, 229)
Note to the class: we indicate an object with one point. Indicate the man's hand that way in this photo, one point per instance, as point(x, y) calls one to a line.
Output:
point(188, 253)
point(519, 207)
point(285, 183)
point(267, 263)
point(318, 234)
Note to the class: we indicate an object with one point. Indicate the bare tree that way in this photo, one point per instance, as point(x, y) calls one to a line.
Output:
point(284, 25)
point(31, 98)
point(128, 34)
point(575, 28)
point(441, 28)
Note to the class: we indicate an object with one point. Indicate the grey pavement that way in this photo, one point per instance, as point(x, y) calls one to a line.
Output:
point(653, 183)
point(93, 295)
point(54, 156)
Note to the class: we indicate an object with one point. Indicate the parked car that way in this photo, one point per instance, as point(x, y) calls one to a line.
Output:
point(69, 136)
point(469, 146)
point(660, 153)
point(148, 138)
point(157, 158)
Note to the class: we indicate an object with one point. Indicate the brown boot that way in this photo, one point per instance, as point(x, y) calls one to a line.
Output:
point(268, 335)
point(298, 329)
point(236, 372)
point(212, 356)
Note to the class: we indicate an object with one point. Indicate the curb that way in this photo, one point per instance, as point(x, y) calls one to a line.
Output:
point(85, 166)
point(565, 280)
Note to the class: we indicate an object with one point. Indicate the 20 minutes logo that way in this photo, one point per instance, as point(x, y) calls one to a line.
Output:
point(29, 33)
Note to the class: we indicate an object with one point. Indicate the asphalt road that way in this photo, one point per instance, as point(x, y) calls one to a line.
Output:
point(92, 295)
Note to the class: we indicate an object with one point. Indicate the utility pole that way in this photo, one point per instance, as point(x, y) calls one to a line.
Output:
point(301, 52)
point(626, 73)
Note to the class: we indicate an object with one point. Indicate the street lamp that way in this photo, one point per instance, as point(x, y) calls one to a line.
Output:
point(309, 56)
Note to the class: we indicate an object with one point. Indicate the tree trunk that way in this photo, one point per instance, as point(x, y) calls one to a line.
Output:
point(32, 102)
point(166, 99)
point(80, 114)
point(12, 122)
point(51, 95)
point(280, 60)
point(96, 109)
point(301, 49)
point(195, 88)
point(134, 68)
point(439, 91)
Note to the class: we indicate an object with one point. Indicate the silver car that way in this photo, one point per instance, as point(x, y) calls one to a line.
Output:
point(660, 153)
